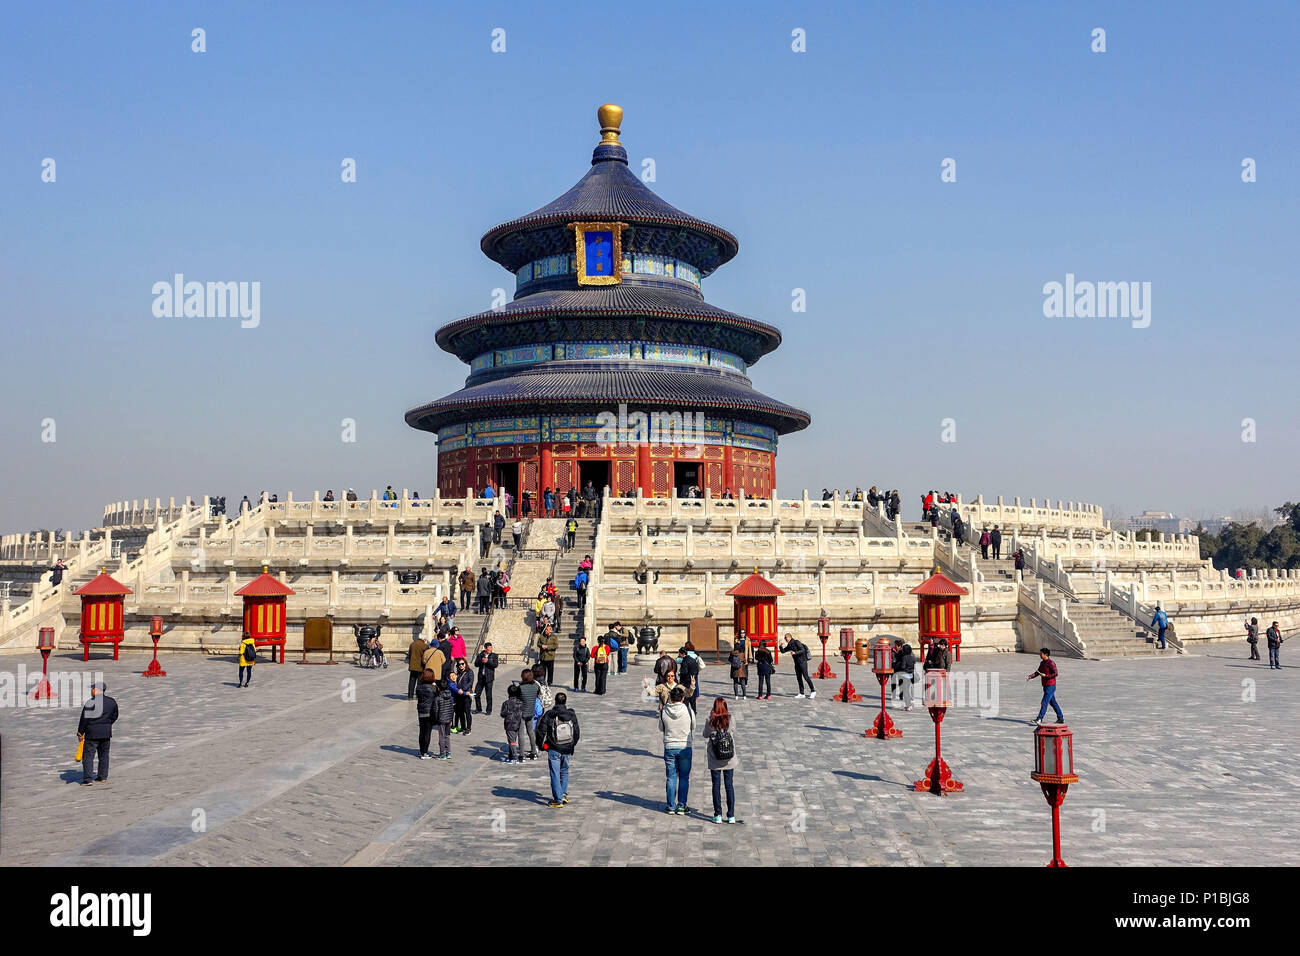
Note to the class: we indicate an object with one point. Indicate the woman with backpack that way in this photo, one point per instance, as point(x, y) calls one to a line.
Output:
point(512, 715)
point(766, 668)
point(247, 658)
point(529, 693)
point(1252, 638)
point(722, 758)
point(425, 691)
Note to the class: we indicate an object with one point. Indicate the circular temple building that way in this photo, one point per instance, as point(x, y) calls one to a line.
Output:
point(608, 366)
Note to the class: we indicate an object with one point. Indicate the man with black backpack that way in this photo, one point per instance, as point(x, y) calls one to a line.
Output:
point(558, 731)
point(799, 653)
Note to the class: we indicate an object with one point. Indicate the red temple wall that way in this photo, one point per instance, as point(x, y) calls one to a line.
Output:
point(721, 467)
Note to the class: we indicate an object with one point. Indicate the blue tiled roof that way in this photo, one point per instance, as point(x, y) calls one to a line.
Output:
point(612, 302)
point(608, 192)
point(585, 384)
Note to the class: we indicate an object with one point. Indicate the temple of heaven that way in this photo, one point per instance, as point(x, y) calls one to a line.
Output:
point(608, 366)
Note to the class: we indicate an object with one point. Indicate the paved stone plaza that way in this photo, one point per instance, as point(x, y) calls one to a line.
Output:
point(289, 772)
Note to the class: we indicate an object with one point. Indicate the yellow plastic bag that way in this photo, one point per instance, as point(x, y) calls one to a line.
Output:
point(81, 749)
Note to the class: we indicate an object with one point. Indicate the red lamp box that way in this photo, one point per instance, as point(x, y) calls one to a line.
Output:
point(939, 612)
point(755, 610)
point(264, 612)
point(103, 613)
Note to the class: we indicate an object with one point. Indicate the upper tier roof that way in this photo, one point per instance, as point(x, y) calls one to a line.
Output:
point(608, 192)
point(466, 337)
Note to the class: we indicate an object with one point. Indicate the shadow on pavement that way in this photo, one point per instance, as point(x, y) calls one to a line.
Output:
point(632, 800)
point(511, 793)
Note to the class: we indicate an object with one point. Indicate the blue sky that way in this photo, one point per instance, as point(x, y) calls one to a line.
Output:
point(924, 298)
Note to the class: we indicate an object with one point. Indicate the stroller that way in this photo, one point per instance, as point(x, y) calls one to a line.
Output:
point(370, 653)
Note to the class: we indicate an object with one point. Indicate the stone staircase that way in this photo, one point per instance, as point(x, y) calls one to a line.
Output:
point(1108, 633)
point(566, 566)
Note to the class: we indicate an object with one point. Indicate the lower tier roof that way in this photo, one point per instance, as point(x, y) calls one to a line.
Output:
point(580, 385)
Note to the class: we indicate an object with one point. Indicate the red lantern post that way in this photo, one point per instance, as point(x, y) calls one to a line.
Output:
point(846, 692)
point(1054, 772)
point(45, 644)
point(155, 631)
point(823, 634)
point(938, 778)
point(882, 662)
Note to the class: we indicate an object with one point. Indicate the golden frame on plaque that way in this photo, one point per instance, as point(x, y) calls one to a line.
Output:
point(580, 230)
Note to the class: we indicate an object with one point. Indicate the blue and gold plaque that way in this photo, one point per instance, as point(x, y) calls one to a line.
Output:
point(599, 249)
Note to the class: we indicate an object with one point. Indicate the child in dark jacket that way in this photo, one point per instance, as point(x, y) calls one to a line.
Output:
point(425, 691)
point(444, 709)
point(512, 714)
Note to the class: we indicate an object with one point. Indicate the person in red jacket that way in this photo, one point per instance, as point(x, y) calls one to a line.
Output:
point(1047, 671)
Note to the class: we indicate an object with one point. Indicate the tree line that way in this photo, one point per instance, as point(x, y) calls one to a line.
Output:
point(1250, 546)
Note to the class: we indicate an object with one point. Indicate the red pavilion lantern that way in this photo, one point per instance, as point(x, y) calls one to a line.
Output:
point(939, 612)
point(265, 618)
point(103, 613)
point(754, 610)
point(937, 695)
point(1054, 772)
point(882, 663)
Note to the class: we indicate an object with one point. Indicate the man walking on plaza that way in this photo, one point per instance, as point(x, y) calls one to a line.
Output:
point(1047, 671)
point(415, 665)
point(486, 663)
point(1274, 635)
point(581, 655)
point(558, 731)
point(799, 653)
point(95, 731)
point(1160, 621)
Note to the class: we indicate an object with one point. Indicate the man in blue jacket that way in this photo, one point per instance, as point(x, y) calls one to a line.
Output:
point(95, 731)
point(1161, 621)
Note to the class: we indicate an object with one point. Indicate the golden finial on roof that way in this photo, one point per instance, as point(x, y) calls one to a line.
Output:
point(611, 118)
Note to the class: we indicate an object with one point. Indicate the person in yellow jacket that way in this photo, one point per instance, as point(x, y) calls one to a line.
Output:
point(247, 658)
